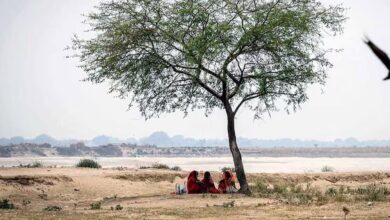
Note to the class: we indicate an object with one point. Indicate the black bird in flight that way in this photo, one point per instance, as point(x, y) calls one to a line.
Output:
point(380, 54)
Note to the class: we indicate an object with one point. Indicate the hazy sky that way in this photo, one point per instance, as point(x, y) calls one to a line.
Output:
point(41, 91)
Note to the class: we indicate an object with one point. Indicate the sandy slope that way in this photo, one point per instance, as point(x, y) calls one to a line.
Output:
point(146, 194)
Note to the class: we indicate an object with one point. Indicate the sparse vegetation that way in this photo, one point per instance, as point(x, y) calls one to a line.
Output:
point(281, 196)
point(142, 177)
point(96, 205)
point(118, 207)
point(52, 208)
point(26, 202)
point(35, 164)
point(6, 204)
point(374, 192)
point(232, 169)
point(295, 194)
point(327, 168)
point(226, 204)
point(176, 168)
point(161, 166)
point(88, 163)
point(299, 194)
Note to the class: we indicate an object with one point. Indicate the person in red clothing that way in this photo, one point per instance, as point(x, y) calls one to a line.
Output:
point(209, 183)
point(227, 184)
point(194, 185)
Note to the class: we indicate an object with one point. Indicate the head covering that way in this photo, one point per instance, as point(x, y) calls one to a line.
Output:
point(207, 177)
point(193, 175)
point(227, 175)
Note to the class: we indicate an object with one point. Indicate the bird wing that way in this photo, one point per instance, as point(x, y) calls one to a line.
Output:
point(379, 53)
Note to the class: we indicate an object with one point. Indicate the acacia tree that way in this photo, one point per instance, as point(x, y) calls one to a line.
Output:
point(167, 55)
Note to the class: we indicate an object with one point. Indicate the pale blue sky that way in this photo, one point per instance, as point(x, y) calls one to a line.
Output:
point(41, 91)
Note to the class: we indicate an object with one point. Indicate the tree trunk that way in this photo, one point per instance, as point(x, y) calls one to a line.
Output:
point(239, 167)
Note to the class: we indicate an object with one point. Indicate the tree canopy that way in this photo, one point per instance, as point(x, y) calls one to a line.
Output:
point(172, 55)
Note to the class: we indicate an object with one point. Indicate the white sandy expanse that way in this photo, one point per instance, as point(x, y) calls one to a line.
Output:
point(252, 164)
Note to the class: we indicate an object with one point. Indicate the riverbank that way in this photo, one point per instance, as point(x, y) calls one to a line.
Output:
point(146, 194)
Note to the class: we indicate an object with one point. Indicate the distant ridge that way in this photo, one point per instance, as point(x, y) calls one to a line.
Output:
point(162, 139)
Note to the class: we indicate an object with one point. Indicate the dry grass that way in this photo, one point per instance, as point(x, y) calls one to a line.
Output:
point(26, 180)
point(146, 194)
point(150, 177)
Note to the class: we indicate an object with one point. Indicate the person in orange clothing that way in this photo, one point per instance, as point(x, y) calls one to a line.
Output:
point(209, 183)
point(194, 185)
point(227, 184)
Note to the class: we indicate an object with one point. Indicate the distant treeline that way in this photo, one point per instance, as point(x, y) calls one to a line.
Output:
point(162, 139)
point(133, 150)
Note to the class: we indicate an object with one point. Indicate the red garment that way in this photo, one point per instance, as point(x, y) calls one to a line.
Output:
point(209, 184)
point(193, 185)
point(226, 182)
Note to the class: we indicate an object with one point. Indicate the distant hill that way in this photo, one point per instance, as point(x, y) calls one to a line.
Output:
point(132, 150)
point(162, 139)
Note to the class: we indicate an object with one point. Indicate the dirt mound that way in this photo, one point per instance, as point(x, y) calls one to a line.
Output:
point(330, 177)
point(33, 180)
point(361, 178)
point(150, 177)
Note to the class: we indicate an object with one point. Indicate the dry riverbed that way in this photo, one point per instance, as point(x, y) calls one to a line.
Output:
point(83, 193)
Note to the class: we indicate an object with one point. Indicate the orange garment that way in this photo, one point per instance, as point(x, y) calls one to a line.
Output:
point(226, 182)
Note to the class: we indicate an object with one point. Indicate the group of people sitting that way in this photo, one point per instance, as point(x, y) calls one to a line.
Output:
point(206, 185)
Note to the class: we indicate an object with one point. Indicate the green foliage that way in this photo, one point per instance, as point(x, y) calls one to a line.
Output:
point(182, 55)
point(232, 169)
point(6, 204)
point(88, 163)
point(96, 205)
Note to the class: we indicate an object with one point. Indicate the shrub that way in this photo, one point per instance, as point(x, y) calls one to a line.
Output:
point(118, 207)
point(290, 193)
point(327, 168)
point(88, 163)
point(35, 164)
point(160, 166)
point(6, 204)
point(52, 208)
point(260, 187)
point(176, 168)
point(96, 205)
point(373, 192)
point(157, 166)
point(332, 192)
point(232, 169)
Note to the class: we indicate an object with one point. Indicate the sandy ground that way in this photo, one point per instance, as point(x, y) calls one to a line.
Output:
point(146, 194)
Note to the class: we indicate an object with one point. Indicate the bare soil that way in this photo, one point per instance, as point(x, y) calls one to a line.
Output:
point(147, 194)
